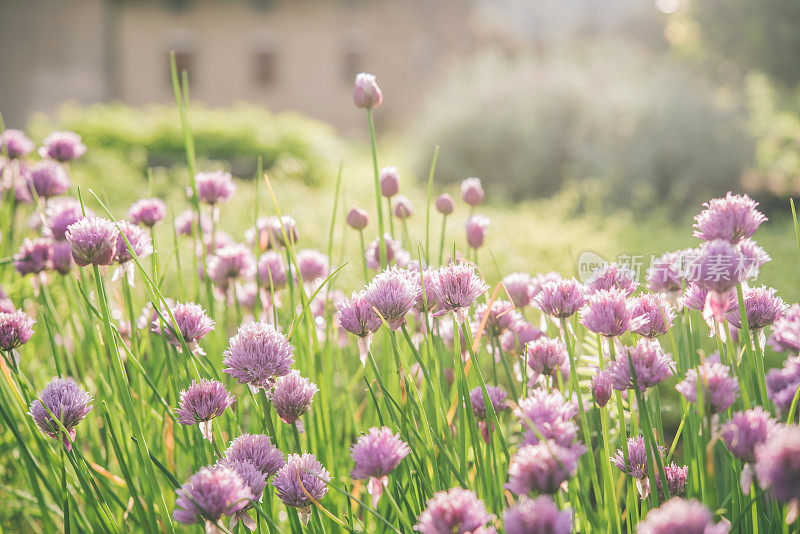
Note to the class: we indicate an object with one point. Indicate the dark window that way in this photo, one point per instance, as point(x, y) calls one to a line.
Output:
point(266, 68)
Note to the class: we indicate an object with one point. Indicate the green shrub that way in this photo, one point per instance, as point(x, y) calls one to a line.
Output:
point(647, 129)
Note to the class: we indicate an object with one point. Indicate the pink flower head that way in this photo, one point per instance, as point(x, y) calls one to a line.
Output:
point(93, 241)
point(139, 241)
point(519, 288)
point(312, 264)
point(601, 387)
point(762, 308)
point(608, 312)
point(209, 494)
point(638, 458)
point(560, 298)
point(679, 515)
point(542, 467)
point(257, 355)
point(754, 257)
point(394, 253)
point(549, 416)
point(60, 214)
point(403, 209)
point(650, 365)
point(392, 293)
point(258, 450)
point(782, 383)
point(49, 179)
point(34, 256)
point(16, 329)
point(231, 262)
point(472, 192)
point(377, 453)
point(745, 430)
point(201, 402)
point(357, 219)
point(272, 271)
point(366, 93)
point(292, 396)
point(666, 272)
point(454, 511)
point(476, 227)
point(655, 312)
point(731, 218)
point(390, 181)
point(62, 147)
point(214, 187)
point(717, 266)
point(147, 211)
point(778, 463)
point(185, 222)
point(16, 143)
point(500, 317)
point(718, 387)
point(305, 470)
point(456, 287)
point(62, 257)
point(613, 276)
point(61, 401)
point(192, 320)
point(786, 331)
point(545, 356)
point(497, 396)
point(536, 516)
point(445, 204)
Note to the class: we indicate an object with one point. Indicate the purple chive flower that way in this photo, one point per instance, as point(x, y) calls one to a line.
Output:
point(357, 317)
point(147, 211)
point(518, 286)
point(608, 312)
point(497, 396)
point(786, 331)
point(515, 340)
point(292, 397)
point(560, 298)
point(140, 242)
point(679, 515)
point(214, 187)
point(62, 257)
point(254, 480)
point(536, 516)
point(93, 241)
point(782, 383)
point(272, 271)
point(209, 494)
point(545, 355)
point(376, 454)
point(676, 476)
point(390, 181)
point(762, 308)
point(445, 204)
point(394, 253)
point(637, 458)
point(16, 329)
point(312, 265)
point(49, 179)
point(601, 387)
point(656, 313)
point(747, 429)
point(456, 287)
point(60, 215)
point(257, 355)
point(719, 388)
point(778, 463)
point(753, 257)
point(731, 218)
point(34, 256)
point(454, 511)
point(472, 192)
point(549, 416)
point(716, 266)
point(542, 467)
point(16, 143)
point(695, 297)
point(62, 147)
point(500, 317)
point(357, 219)
point(392, 294)
point(185, 222)
point(476, 227)
point(426, 277)
point(613, 276)
point(305, 470)
point(258, 450)
point(230, 262)
point(201, 402)
point(666, 273)
point(64, 400)
point(284, 228)
point(366, 93)
point(650, 364)
point(403, 209)
point(192, 320)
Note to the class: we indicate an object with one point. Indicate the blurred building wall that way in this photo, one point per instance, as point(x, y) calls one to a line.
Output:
point(295, 54)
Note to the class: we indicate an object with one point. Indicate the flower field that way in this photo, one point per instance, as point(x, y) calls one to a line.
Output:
point(188, 380)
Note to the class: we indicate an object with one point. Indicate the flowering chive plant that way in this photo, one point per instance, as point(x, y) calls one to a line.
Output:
point(493, 400)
